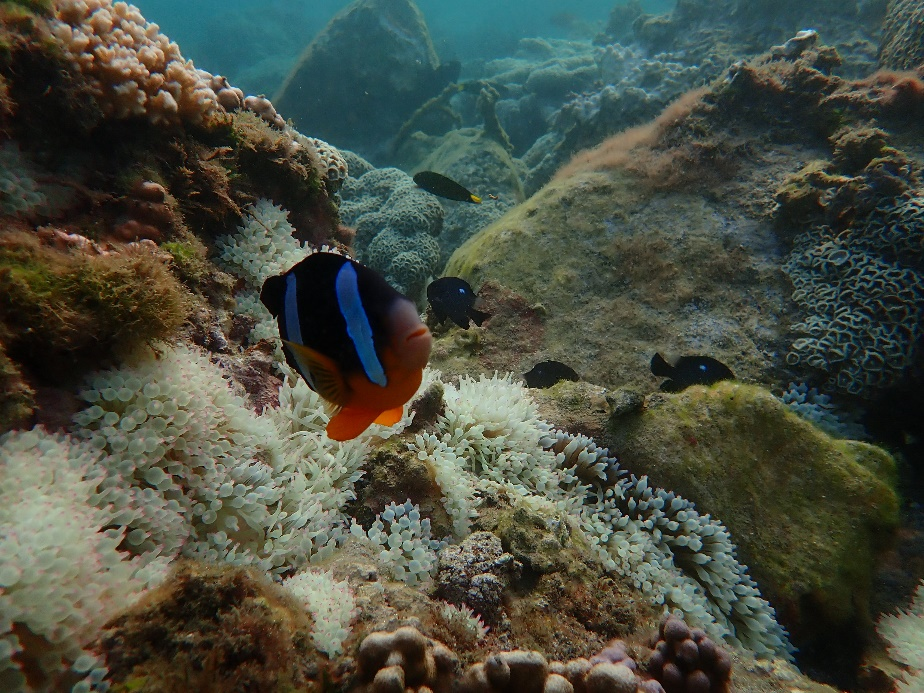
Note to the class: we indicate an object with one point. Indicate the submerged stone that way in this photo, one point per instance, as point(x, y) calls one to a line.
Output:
point(808, 512)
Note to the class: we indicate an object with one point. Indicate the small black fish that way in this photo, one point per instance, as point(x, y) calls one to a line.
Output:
point(453, 298)
point(689, 370)
point(547, 373)
point(438, 184)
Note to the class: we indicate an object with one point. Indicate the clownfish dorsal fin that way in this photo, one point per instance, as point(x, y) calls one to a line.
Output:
point(320, 371)
point(390, 417)
point(273, 293)
point(349, 423)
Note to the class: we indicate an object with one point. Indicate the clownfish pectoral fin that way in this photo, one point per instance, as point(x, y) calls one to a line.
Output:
point(475, 199)
point(349, 423)
point(390, 417)
point(320, 372)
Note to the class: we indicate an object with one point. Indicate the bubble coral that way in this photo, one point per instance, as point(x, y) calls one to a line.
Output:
point(133, 69)
point(686, 660)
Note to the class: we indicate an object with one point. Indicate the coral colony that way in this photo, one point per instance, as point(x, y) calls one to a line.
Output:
point(173, 514)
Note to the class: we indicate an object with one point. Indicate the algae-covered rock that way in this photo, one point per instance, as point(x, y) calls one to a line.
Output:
point(364, 74)
point(477, 161)
point(807, 512)
point(216, 628)
point(621, 271)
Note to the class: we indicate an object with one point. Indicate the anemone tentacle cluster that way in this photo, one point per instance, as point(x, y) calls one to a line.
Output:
point(167, 459)
point(493, 437)
point(61, 572)
point(263, 245)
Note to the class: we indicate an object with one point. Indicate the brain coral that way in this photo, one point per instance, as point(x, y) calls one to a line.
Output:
point(395, 224)
point(863, 293)
point(902, 44)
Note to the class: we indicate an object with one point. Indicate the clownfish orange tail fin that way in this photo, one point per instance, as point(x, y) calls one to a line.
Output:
point(390, 417)
point(348, 423)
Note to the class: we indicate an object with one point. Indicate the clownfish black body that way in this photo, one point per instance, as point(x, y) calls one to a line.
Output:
point(355, 340)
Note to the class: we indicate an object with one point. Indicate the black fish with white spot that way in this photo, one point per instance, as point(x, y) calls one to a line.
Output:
point(689, 370)
point(548, 373)
point(454, 298)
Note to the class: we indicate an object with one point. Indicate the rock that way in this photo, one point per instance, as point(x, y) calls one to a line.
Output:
point(237, 615)
point(615, 277)
point(364, 74)
point(807, 512)
point(476, 573)
point(481, 164)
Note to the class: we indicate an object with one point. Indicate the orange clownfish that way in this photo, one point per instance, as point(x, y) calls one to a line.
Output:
point(355, 340)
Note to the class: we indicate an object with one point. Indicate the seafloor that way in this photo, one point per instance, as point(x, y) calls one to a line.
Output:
point(719, 180)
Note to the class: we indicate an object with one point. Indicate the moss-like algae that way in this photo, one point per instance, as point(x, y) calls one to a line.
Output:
point(808, 512)
point(214, 628)
point(60, 306)
point(16, 397)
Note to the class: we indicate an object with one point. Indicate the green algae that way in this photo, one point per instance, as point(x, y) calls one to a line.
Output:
point(16, 397)
point(808, 512)
point(60, 305)
point(621, 270)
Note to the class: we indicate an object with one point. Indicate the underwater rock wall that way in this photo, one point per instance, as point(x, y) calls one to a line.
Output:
point(364, 74)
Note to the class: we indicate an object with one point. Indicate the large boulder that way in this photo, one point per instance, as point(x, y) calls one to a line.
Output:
point(616, 272)
point(364, 75)
point(808, 512)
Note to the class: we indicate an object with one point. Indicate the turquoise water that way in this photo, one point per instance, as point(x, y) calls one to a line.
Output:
point(255, 43)
point(770, 231)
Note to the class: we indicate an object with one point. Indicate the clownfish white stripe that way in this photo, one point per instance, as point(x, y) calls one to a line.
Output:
point(357, 324)
point(290, 301)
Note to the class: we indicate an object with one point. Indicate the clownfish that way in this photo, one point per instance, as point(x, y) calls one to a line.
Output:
point(355, 340)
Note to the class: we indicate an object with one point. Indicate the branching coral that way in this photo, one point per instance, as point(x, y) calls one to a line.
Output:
point(405, 660)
